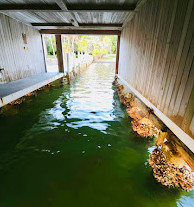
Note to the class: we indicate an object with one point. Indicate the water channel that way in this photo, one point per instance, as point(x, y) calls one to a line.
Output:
point(74, 146)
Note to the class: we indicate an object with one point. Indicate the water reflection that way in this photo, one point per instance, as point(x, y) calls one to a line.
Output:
point(91, 102)
point(77, 148)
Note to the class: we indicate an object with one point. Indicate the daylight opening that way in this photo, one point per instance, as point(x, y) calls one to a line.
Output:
point(79, 50)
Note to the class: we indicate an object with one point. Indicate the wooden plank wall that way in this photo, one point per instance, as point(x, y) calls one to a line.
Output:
point(156, 58)
point(17, 58)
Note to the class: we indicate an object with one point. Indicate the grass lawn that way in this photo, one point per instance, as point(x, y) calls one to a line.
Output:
point(51, 56)
point(109, 56)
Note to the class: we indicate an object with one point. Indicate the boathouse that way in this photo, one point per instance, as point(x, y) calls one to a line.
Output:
point(155, 50)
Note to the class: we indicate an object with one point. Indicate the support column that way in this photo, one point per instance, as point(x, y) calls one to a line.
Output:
point(44, 50)
point(68, 68)
point(117, 57)
point(59, 53)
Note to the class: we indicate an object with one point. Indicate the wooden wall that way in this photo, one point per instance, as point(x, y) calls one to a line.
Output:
point(17, 58)
point(156, 58)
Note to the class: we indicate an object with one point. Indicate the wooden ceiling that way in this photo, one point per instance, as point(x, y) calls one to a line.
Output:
point(71, 14)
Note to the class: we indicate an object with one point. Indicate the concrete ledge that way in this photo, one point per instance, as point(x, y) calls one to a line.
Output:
point(16, 89)
point(185, 138)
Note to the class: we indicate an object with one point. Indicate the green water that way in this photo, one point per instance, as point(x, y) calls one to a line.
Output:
point(73, 146)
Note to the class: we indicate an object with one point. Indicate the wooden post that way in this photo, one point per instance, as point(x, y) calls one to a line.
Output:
point(59, 53)
point(68, 69)
point(117, 57)
point(44, 50)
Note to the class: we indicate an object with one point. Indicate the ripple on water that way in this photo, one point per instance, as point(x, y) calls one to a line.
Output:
point(77, 148)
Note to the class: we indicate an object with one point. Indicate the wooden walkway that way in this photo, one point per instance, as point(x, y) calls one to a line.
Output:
point(13, 90)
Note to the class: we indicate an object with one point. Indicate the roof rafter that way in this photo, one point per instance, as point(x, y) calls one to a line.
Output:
point(91, 32)
point(101, 7)
point(29, 6)
point(63, 7)
point(81, 24)
point(60, 6)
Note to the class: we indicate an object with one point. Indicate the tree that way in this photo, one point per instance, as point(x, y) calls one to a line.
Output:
point(53, 50)
point(96, 45)
point(50, 44)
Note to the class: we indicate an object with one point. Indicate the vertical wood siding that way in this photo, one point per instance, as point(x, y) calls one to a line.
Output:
point(17, 61)
point(156, 58)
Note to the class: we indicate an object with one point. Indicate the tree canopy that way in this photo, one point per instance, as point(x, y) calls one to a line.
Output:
point(95, 45)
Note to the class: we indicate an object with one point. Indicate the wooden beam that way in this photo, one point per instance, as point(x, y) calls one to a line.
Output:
point(60, 24)
point(60, 6)
point(29, 6)
point(59, 10)
point(99, 25)
point(69, 24)
point(59, 53)
point(63, 7)
point(101, 7)
point(91, 32)
point(117, 57)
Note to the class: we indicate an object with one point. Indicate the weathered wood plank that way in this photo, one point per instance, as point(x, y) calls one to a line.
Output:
point(18, 58)
point(175, 39)
point(156, 55)
point(178, 56)
point(186, 124)
point(161, 80)
point(162, 38)
point(185, 89)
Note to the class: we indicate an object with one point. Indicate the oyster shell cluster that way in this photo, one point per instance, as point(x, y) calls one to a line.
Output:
point(144, 129)
point(142, 125)
point(170, 174)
